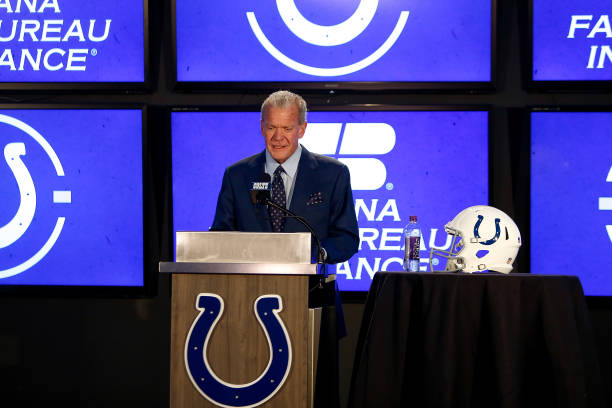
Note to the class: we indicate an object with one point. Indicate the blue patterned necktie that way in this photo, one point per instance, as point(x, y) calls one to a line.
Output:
point(277, 217)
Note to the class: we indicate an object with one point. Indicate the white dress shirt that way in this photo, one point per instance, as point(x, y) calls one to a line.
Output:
point(290, 166)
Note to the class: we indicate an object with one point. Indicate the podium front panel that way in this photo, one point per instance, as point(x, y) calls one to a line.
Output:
point(238, 350)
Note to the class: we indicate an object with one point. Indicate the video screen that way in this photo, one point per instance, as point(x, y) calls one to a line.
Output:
point(72, 41)
point(343, 40)
point(431, 164)
point(571, 197)
point(571, 40)
point(71, 212)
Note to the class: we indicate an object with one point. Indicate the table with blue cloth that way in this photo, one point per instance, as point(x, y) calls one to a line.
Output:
point(475, 340)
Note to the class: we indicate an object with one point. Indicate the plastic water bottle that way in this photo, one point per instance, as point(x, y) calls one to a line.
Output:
point(412, 245)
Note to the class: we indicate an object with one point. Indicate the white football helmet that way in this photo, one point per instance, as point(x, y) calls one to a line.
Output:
point(484, 238)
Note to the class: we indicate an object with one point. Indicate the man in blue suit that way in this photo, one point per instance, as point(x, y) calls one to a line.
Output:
point(313, 186)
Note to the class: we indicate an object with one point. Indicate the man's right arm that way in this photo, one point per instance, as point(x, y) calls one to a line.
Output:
point(225, 217)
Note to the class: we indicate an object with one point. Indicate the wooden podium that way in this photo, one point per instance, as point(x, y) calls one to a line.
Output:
point(242, 334)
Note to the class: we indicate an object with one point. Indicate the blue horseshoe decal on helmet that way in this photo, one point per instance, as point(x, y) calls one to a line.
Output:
point(266, 308)
point(497, 231)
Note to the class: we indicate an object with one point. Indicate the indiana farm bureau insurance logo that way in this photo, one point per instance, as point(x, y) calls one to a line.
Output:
point(327, 36)
point(15, 155)
point(21, 23)
point(367, 173)
point(595, 29)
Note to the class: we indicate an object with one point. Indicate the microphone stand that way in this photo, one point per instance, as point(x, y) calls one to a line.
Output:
point(302, 221)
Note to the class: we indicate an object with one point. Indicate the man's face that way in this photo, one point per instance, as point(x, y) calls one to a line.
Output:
point(281, 129)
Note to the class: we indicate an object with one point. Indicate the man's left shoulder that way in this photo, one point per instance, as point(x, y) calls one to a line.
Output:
point(325, 163)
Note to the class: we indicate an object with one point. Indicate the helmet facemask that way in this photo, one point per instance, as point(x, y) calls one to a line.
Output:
point(454, 261)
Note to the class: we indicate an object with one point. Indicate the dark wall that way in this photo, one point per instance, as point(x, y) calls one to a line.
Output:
point(100, 352)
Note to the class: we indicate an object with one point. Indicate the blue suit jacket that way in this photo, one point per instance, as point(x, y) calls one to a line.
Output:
point(333, 218)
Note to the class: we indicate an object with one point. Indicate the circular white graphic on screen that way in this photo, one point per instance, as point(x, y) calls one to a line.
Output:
point(14, 155)
point(327, 36)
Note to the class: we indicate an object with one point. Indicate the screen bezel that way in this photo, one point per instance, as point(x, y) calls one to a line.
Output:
point(596, 301)
point(526, 25)
point(333, 86)
point(347, 296)
point(149, 272)
point(65, 87)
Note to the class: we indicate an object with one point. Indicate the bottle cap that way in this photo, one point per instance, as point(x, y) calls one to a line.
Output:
point(413, 218)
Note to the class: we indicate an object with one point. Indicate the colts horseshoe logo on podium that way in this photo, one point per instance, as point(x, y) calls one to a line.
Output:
point(15, 155)
point(260, 390)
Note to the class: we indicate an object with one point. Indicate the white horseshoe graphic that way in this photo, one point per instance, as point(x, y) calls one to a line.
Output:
point(59, 224)
point(327, 36)
point(12, 231)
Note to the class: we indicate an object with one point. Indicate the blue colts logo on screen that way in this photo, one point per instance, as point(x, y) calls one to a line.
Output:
point(15, 155)
point(327, 36)
point(605, 204)
point(260, 390)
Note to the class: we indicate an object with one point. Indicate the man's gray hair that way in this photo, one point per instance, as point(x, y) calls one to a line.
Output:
point(284, 99)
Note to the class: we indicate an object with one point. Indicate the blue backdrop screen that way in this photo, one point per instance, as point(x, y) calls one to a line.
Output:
point(571, 40)
point(71, 188)
point(571, 197)
point(72, 41)
point(431, 164)
point(342, 40)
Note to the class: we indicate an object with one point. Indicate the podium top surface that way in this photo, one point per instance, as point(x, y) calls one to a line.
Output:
point(243, 247)
point(238, 268)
